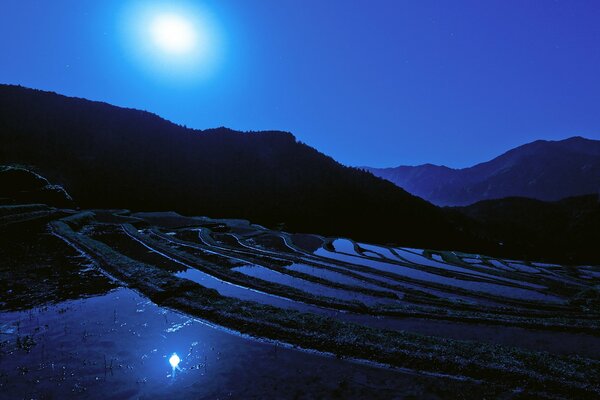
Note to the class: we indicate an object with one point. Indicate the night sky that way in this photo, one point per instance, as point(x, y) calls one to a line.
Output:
point(379, 83)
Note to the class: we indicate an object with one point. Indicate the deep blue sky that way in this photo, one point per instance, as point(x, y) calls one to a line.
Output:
point(378, 83)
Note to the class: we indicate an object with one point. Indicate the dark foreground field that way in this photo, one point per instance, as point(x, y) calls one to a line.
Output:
point(94, 303)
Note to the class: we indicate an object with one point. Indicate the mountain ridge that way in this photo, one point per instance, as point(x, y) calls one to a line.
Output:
point(108, 157)
point(531, 170)
point(112, 157)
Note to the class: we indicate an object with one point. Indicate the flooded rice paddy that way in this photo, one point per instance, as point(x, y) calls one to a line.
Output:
point(118, 345)
point(70, 328)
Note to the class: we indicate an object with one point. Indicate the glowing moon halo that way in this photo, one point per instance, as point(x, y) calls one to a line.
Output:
point(177, 42)
point(174, 34)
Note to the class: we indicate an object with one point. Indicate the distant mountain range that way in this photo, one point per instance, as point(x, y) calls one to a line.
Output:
point(543, 170)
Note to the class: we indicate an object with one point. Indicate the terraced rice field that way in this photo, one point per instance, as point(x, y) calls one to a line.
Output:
point(487, 325)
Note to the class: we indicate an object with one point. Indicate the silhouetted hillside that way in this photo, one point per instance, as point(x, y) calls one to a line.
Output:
point(544, 170)
point(107, 156)
point(567, 230)
point(20, 185)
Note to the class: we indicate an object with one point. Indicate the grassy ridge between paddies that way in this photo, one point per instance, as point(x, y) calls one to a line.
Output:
point(507, 368)
point(16, 214)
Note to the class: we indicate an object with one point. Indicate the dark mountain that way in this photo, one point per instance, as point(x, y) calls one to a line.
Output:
point(109, 157)
point(543, 170)
point(565, 231)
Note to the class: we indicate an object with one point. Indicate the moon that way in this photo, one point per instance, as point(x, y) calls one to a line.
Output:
point(174, 34)
point(178, 42)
